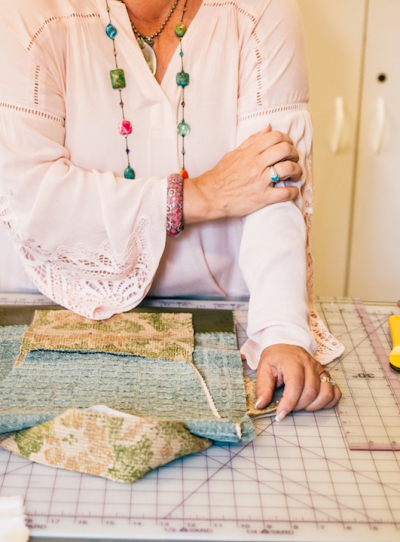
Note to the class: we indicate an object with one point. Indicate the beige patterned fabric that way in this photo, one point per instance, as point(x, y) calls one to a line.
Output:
point(251, 399)
point(105, 443)
point(155, 335)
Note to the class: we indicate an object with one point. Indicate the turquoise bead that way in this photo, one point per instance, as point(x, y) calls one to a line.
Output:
point(182, 79)
point(111, 31)
point(118, 79)
point(129, 173)
point(183, 129)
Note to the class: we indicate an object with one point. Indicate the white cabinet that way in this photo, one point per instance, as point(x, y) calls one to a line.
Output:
point(375, 244)
point(356, 118)
point(334, 39)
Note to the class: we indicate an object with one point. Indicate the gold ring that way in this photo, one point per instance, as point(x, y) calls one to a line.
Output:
point(327, 379)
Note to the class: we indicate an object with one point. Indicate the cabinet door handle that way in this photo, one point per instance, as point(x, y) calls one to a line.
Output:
point(380, 105)
point(339, 105)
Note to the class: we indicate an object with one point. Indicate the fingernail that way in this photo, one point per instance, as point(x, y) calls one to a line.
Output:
point(258, 402)
point(280, 416)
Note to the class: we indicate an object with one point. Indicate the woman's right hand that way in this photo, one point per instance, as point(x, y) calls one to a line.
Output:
point(240, 183)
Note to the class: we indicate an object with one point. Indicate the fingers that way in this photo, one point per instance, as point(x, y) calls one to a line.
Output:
point(294, 384)
point(311, 389)
point(337, 395)
point(255, 137)
point(328, 395)
point(287, 171)
point(279, 195)
point(266, 382)
point(278, 153)
point(272, 139)
point(301, 374)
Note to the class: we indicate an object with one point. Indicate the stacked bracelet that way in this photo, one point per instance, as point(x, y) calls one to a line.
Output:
point(174, 205)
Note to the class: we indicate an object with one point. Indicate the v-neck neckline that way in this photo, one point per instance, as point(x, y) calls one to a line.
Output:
point(164, 81)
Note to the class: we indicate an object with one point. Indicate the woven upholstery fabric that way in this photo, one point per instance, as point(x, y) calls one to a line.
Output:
point(10, 342)
point(49, 382)
point(223, 341)
point(251, 399)
point(122, 449)
point(155, 335)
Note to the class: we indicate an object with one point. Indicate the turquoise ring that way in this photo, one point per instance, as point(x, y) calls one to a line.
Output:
point(274, 175)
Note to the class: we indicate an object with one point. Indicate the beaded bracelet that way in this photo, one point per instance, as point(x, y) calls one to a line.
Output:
point(174, 205)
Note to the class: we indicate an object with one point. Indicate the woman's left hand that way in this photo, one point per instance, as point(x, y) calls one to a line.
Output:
point(301, 374)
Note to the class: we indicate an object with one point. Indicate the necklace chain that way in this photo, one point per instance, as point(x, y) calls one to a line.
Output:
point(150, 38)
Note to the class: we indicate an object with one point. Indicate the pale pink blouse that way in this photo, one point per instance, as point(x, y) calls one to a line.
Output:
point(94, 241)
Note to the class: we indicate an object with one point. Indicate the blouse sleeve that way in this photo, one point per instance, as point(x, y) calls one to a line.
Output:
point(89, 240)
point(274, 89)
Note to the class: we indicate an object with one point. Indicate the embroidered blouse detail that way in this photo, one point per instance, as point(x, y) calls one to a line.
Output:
point(93, 283)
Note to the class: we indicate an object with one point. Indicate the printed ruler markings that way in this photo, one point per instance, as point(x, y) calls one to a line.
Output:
point(366, 392)
point(379, 350)
point(355, 392)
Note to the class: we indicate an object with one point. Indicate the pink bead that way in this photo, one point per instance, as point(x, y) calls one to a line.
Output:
point(125, 127)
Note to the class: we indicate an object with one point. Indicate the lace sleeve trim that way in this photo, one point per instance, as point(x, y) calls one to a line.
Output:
point(329, 348)
point(95, 283)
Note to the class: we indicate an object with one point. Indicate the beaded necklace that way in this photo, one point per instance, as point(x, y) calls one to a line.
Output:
point(118, 82)
point(146, 42)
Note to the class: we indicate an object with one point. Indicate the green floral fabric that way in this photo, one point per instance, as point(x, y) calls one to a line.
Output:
point(155, 335)
point(105, 444)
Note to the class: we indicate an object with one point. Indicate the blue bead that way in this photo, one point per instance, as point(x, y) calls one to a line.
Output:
point(129, 173)
point(183, 129)
point(111, 31)
point(181, 53)
point(182, 79)
point(127, 151)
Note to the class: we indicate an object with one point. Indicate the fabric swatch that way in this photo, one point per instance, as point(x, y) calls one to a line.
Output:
point(223, 341)
point(119, 447)
point(251, 399)
point(155, 335)
point(10, 342)
point(49, 382)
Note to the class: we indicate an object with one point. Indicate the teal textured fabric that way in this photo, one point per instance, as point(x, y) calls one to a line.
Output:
point(10, 342)
point(224, 341)
point(49, 382)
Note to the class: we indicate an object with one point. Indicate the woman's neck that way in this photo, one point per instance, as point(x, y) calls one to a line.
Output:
point(148, 14)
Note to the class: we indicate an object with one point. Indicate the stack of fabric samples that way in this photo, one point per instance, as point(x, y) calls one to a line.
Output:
point(120, 397)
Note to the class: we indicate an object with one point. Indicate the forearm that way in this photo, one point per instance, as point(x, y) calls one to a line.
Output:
point(196, 207)
point(273, 262)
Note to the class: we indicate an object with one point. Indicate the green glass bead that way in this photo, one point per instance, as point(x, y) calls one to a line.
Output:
point(182, 79)
point(129, 173)
point(180, 30)
point(183, 129)
point(118, 79)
